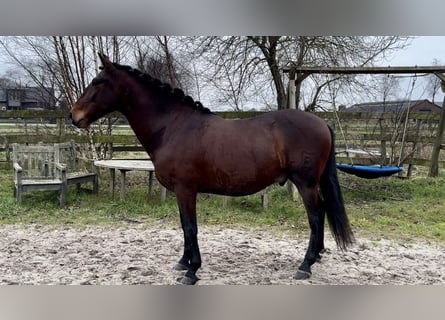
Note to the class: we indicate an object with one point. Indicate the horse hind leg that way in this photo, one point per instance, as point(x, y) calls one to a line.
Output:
point(316, 217)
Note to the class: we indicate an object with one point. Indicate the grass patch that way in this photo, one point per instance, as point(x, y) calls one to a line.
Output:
point(394, 207)
point(385, 207)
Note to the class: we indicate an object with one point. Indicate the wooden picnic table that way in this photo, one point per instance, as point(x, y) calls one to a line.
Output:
point(128, 165)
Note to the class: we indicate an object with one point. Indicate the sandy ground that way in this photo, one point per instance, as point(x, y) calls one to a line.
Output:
point(141, 254)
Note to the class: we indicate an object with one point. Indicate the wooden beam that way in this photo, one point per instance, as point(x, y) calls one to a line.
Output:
point(365, 70)
point(441, 76)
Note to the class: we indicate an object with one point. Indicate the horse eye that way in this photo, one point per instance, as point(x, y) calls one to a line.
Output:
point(97, 81)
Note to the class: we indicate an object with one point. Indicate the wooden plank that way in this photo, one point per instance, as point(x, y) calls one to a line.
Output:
point(364, 70)
point(29, 114)
point(35, 139)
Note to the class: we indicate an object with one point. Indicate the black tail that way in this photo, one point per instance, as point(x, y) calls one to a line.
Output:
point(333, 202)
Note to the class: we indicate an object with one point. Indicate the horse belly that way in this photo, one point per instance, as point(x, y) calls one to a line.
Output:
point(242, 182)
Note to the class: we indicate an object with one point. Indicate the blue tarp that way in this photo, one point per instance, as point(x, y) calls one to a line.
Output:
point(369, 172)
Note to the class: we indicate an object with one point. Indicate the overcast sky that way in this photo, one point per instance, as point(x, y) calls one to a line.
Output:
point(421, 52)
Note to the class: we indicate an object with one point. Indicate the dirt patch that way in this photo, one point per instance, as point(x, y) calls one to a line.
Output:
point(139, 254)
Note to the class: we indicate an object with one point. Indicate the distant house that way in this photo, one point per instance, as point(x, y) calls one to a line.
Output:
point(27, 98)
point(418, 106)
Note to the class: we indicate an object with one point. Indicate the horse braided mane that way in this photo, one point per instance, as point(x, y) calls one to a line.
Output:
point(163, 87)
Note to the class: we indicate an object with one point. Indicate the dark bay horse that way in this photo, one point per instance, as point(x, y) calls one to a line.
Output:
point(196, 151)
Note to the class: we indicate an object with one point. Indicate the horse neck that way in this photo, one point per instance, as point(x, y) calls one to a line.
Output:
point(150, 122)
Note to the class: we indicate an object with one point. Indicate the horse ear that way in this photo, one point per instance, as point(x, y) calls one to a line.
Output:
point(107, 64)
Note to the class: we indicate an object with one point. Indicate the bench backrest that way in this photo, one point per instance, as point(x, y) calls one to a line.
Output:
point(66, 153)
point(37, 161)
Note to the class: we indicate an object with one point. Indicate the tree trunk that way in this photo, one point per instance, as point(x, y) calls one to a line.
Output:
point(268, 46)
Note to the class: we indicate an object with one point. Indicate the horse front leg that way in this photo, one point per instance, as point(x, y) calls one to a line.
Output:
point(191, 258)
point(184, 263)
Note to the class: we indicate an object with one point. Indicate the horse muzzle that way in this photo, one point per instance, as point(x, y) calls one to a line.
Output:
point(78, 122)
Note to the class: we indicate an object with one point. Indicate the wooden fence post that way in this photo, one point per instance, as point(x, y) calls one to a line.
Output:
point(434, 167)
point(292, 104)
point(8, 151)
point(60, 126)
point(383, 152)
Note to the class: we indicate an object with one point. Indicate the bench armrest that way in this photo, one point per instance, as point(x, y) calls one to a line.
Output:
point(61, 166)
point(18, 173)
point(17, 167)
point(61, 171)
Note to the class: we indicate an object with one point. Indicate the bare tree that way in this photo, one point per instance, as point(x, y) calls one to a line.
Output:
point(255, 58)
point(230, 82)
point(164, 43)
point(269, 47)
point(231, 67)
point(31, 56)
point(67, 63)
point(159, 56)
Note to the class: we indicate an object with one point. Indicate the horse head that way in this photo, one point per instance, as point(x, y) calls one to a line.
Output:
point(102, 96)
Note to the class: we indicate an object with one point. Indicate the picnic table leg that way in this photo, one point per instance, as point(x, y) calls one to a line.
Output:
point(163, 193)
point(19, 195)
point(112, 176)
point(122, 189)
point(150, 183)
point(265, 199)
point(224, 201)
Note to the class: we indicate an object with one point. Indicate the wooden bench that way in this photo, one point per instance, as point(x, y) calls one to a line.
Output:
point(48, 167)
point(66, 154)
point(35, 169)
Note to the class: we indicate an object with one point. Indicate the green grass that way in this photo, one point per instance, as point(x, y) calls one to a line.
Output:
point(412, 208)
point(386, 207)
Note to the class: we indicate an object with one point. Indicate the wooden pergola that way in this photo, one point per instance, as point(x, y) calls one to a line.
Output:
point(300, 73)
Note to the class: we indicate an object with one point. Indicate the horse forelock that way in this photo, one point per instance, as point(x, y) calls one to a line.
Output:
point(162, 87)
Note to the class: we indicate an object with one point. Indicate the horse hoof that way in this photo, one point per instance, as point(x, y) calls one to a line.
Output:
point(302, 275)
point(180, 267)
point(189, 281)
